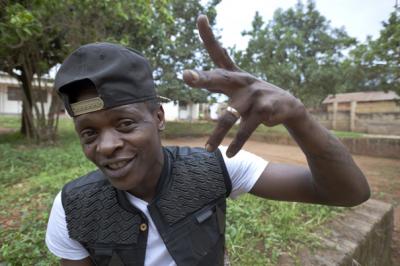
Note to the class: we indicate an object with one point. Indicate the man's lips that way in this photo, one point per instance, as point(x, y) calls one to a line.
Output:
point(117, 167)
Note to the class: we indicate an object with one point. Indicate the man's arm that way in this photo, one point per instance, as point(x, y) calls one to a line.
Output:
point(58, 241)
point(332, 177)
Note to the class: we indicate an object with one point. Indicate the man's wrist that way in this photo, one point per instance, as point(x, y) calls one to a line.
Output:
point(300, 120)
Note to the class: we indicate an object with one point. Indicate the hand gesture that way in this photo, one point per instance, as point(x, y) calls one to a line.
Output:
point(253, 100)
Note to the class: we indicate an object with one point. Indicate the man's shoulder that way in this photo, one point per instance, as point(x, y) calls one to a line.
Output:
point(182, 152)
point(82, 186)
point(86, 180)
point(195, 163)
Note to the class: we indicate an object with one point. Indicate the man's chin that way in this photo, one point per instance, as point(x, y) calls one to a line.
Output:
point(122, 182)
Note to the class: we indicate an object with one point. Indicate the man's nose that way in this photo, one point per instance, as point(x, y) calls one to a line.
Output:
point(109, 142)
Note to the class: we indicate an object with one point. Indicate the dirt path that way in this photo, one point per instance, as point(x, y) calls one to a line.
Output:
point(383, 174)
point(6, 130)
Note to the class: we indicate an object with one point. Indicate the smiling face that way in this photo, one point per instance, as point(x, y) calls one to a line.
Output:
point(125, 145)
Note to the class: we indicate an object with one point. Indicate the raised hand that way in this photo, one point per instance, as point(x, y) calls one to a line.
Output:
point(253, 100)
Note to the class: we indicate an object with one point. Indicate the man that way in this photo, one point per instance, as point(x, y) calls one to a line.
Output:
point(154, 205)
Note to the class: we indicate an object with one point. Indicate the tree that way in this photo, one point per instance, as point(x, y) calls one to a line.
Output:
point(387, 49)
point(375, 65)
point(23, 56)
point(298, 50)
point(183, 50)
point(37, 35)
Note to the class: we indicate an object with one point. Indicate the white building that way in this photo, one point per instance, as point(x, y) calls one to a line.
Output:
point(175, 111)
point(11, 94)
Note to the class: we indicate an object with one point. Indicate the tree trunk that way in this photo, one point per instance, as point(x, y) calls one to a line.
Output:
point(35, 123)
point(28, 128)
point(26, 123)
point(53, 116)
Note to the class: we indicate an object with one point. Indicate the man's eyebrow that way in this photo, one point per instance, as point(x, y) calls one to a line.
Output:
point(81, 122)
point(135, 110)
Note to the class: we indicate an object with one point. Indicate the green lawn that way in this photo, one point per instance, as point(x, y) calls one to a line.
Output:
point(347, 134)
point(200, 129)
point(30, 176)
point(10, 121)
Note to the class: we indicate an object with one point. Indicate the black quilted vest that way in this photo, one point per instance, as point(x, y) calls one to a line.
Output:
point(188, 211)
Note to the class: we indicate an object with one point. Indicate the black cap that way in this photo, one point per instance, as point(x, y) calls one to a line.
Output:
point(120, 75)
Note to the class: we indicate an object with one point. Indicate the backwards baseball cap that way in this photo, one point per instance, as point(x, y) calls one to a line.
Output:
point(120, 75)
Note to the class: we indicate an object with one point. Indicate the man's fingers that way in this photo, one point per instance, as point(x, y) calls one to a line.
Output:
point(218, 54)
point(218, 80)
point(225, 122)
point(202, 79)
point(246, 128)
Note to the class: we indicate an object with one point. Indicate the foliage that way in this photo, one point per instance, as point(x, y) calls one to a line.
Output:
point(30, 177)
point(37, 35)
point(374, 65)
point(297, 50)
point(24, 55)
point(183, 50)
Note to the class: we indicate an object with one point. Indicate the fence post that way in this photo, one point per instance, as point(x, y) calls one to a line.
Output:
point(353, 107)
point(335, 105)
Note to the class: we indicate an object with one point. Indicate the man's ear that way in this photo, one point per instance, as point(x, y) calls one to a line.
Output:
point(160, 118)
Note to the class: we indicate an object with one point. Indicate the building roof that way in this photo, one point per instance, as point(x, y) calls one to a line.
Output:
point(9, 80)
point(365, 96)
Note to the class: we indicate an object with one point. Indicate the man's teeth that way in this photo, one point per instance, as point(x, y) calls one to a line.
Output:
point(118, 165)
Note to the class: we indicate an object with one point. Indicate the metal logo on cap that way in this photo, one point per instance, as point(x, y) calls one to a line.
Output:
point(87, 106)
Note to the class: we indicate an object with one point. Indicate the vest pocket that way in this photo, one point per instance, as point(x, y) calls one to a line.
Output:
point(207, 230)
point(111, 255)
point(199, 238)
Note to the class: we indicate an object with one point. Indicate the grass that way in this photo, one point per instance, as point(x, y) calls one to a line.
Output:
point(30, 176)
point(10, 121)
point(184, 129)
point(259, 230)
point(347, 134)
point(203, 128)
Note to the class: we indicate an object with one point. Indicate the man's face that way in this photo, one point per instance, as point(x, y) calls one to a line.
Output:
point(124, 143)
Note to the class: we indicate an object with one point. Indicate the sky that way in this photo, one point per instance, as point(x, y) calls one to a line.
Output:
point(360, 18)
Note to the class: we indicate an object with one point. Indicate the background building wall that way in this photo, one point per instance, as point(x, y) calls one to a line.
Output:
point(372, 123)
point(369, 107)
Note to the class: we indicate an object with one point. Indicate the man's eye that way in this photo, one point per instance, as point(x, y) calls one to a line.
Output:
point(126, 125)
point(88, 135)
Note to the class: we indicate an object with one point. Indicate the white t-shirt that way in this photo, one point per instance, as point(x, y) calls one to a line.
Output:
point(244, 170)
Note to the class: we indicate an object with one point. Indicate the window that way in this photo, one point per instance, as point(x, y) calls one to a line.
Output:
point(14, 94)
point(182, 106)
